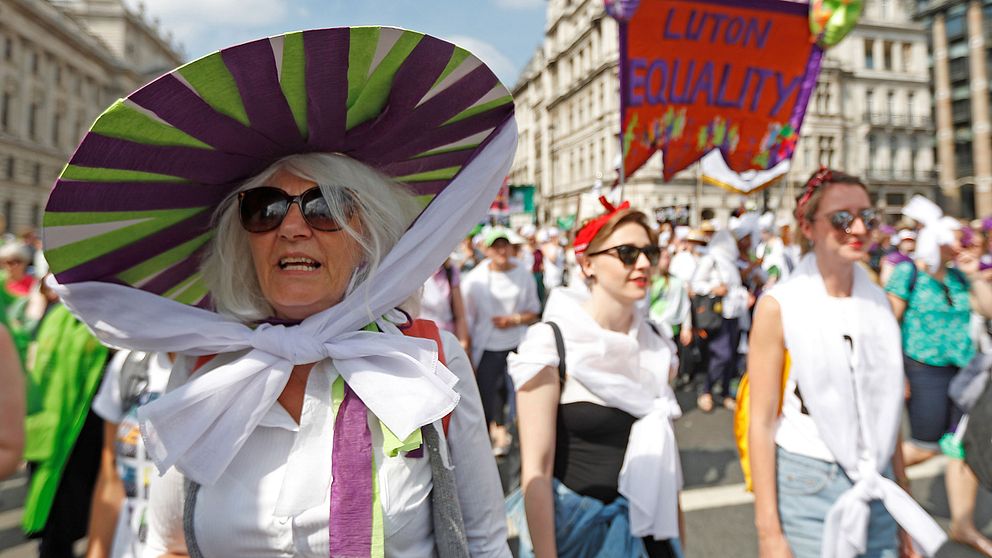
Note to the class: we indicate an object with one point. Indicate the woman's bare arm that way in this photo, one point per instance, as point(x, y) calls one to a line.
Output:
point(766, 358)
point(12, 406)
point(537, 411)
point(108, 495)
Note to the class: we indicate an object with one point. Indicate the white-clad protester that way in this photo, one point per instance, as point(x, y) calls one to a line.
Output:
point(691, 246)
point(596, 438)
point(904, 244)
point(500, 298)
point(824, 457)
point(554, 257)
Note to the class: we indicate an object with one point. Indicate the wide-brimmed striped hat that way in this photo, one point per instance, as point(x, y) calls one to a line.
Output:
point(133, 206)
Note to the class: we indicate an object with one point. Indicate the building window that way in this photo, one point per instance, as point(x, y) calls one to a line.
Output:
point(8, 213)
point(36, 174)
point(57, 129)
point(4, 110)
point(958, 49)
point(33, 121)
point(826, 145)
point(10, 168)
point(34, 62)
point(887, 55)
point(890, 104)
point(869, 54)
point(869, 102)
point(872, 153)
point(907, 57)
point(8, 49)
point(910, 101)
point(36, 215)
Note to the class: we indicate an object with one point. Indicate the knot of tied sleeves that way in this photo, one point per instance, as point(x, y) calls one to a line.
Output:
point(278, 340)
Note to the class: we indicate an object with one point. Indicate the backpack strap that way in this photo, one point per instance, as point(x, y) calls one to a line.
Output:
point(426, 329)
point(560, 346)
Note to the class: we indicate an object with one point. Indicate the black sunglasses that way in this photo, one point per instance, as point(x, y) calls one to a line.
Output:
point(628, 253)
point(263, 209)
point(843, 220)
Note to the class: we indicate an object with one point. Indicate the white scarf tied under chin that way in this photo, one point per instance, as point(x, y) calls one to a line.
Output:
point(937, 230)
point(854, 398)
point(201, 426)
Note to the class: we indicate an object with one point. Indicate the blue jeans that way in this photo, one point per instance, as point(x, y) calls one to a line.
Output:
point(807, 488)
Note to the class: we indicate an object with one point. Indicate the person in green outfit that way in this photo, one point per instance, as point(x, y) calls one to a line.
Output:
point(62, 436)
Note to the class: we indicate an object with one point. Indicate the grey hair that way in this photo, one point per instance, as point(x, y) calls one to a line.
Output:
point(385, 209)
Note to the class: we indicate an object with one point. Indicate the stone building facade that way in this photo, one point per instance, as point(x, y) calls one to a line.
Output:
point(960, 34)
point(57, 74)
point(870, 116)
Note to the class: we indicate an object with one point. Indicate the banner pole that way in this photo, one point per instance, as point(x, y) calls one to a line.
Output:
point(622, 71)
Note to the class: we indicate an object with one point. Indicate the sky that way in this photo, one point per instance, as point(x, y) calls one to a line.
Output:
point(503, 33)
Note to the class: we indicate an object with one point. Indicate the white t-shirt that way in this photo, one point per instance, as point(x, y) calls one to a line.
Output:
point(133, 466)
point(488, 293)
point(797, 432)
point(236, 515)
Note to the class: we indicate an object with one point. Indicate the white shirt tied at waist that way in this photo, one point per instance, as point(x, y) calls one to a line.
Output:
point(848, 365)
point(651, 476)
point(845, 532)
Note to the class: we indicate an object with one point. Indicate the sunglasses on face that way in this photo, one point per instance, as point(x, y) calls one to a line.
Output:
point(843, 220)
point(263, 209)
point(628, 253)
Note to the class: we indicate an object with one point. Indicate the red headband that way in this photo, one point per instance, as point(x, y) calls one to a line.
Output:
point(593, 226)
point(822, 176)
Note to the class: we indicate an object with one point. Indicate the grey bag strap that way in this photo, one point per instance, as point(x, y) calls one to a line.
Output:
point(189, 507)
point(449, 526)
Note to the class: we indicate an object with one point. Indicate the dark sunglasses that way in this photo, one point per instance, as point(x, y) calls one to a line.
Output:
point(843, 220)
point(628, 253)
point(263, 209)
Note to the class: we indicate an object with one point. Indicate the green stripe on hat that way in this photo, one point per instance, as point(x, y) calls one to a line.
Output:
point(163, 261)
point(457, 57)
point(444, 150)
point(437, 174)
point(71, 218)
point(77, 253)
point(374, 95)
point(124, 122)
point(211, 79)
point(194, 293)
point(361, 51)
point(479, 109)
point(293, 79)
point(99, 174)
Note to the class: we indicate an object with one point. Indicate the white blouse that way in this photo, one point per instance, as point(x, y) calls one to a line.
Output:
point(235, 516)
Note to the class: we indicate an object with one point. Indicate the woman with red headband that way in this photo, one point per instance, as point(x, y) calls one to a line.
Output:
point(599, 463)
point(826, 374)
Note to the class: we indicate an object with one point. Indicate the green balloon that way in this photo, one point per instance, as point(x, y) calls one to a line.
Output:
point(831, 20)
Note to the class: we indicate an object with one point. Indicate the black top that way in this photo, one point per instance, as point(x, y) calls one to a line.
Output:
point(589, 449)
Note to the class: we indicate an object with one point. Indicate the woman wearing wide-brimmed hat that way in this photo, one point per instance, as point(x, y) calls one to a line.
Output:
point(261, 211)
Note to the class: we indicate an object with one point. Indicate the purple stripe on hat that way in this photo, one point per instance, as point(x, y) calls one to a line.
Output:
point(105, 267)
point(206, 303)
point(326, 52)
point(175, 274)
point(397, 127)
point(418, 73)
point(193, 164)
point(182, 108)
point(351, 488)
point(425, 164)
point(414, 142)
point(72, 195)
point(254, 70)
